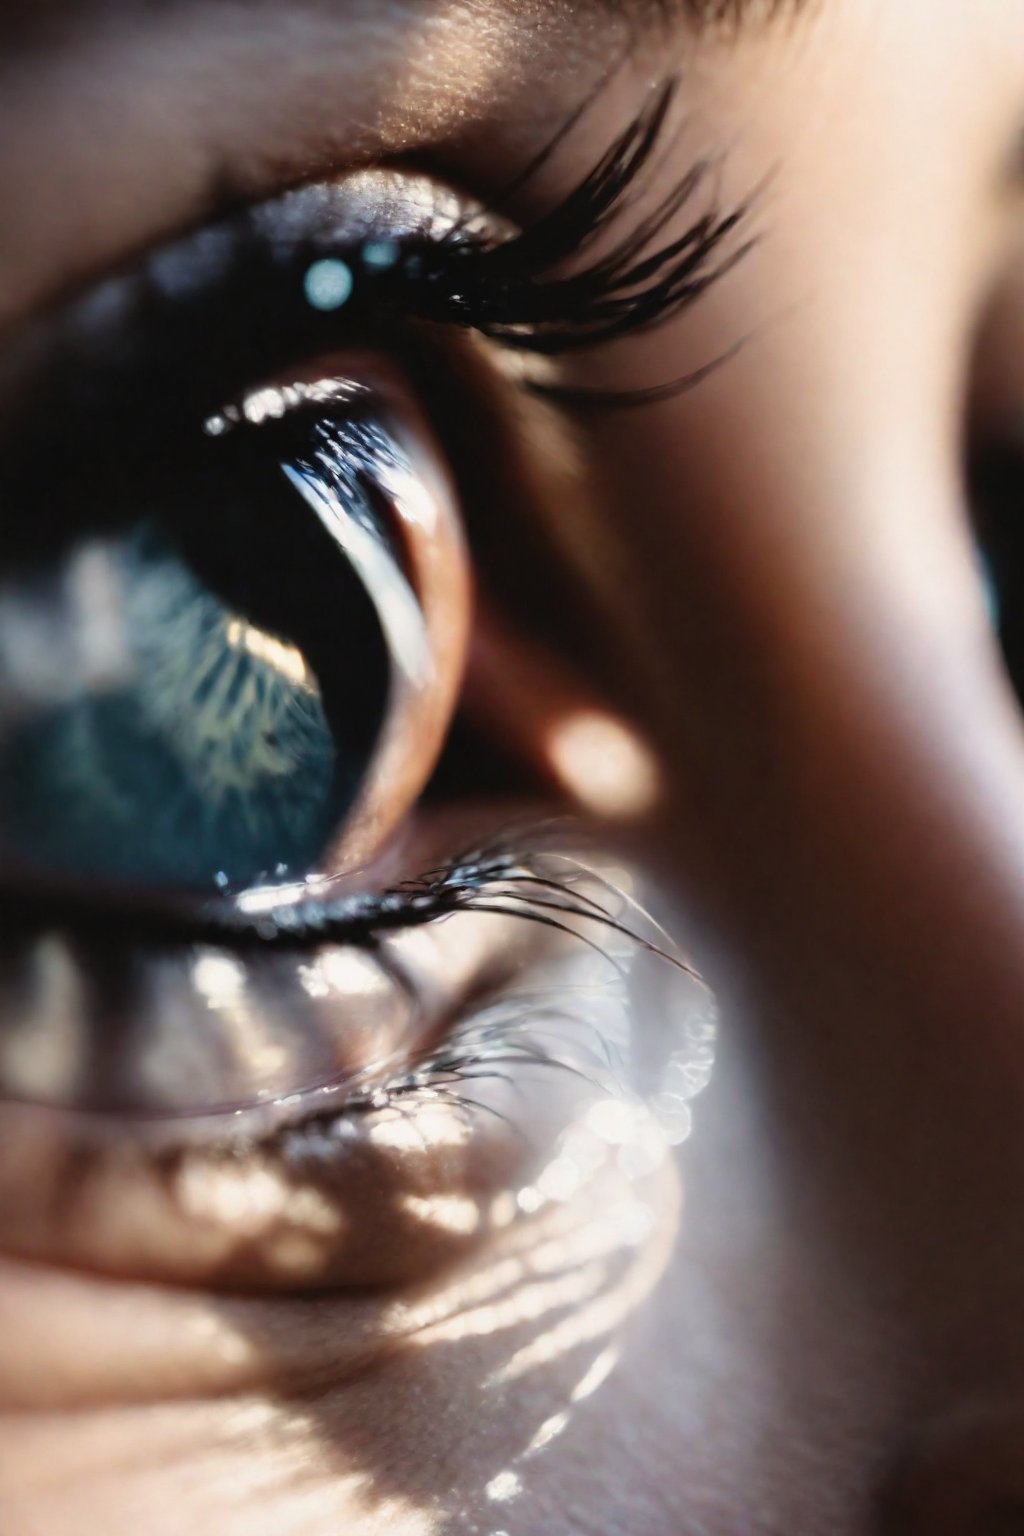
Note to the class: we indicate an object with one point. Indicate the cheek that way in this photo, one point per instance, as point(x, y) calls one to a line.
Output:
point(629, 1385)
point(373, 1415)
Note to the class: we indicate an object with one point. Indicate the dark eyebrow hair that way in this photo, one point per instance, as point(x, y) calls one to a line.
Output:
point(706, 13)
point(736, 14)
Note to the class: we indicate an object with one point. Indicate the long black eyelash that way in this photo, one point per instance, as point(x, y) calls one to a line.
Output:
point(515, 291)
point(154, 353)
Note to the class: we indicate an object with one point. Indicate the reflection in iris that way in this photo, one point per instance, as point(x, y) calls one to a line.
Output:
point(192, 693)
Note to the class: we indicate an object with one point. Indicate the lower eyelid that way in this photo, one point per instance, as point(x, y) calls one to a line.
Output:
point(376, 1186)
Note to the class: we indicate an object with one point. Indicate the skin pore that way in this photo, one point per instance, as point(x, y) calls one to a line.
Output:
point(821, 1332)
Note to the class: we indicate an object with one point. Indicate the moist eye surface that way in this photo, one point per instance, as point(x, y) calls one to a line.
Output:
point(194, 699)
point(232, 599)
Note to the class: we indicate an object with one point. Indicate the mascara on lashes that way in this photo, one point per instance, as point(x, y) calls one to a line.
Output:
point(206, 316)
point(145, 357)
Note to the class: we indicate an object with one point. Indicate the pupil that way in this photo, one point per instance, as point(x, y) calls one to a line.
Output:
point(217, 685)
point(997, 496)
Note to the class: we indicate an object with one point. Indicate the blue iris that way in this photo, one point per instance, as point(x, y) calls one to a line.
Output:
point(234, 717)
point(208, 755)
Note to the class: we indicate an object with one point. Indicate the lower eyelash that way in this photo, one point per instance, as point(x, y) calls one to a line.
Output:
point(484, 1043)
point(377, 1178)
point(496, 879)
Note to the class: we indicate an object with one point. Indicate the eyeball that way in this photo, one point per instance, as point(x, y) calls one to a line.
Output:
point(246, 675)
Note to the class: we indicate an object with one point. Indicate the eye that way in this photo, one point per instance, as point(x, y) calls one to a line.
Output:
point(997, 496)
point(995, 464)
point(247, 674)
point(274, 1001)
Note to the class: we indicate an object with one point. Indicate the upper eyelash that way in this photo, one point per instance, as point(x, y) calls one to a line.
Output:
point(512, 289)
point(519, 289)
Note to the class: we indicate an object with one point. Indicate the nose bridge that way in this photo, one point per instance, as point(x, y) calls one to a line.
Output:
point(812, 512)
point(848, 760)
point(855, 755)
point(852, 729)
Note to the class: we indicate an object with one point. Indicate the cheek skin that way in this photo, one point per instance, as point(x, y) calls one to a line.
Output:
point(617, 1406)
point(446, 1404)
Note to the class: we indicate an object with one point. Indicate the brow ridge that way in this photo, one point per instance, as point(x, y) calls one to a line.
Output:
point(737, 15)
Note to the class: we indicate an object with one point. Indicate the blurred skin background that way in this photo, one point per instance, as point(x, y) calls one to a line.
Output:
point(739, 634)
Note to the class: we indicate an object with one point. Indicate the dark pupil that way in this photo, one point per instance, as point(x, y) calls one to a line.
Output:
point(218, 676)
point(997, 499)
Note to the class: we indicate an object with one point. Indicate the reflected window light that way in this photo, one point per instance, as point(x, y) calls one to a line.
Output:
point(644, 1154)
point(95, 582)
point(548, 1431)
point(46, 1051)
point(313, 981)
point(220, 981)
point(528, 1304)
point(616, 1121)
point(606, 1312)
point(310, 1208)
point(688, 1075)
point(561, 1179)
point(505, 1487)
point(435, 1125)
point(674, 1116)
point(451, 1213)
point(597, 1375)
point(248, 1199)
point(328, 285)
point(586, 1149)
point(380, 255)
point(351, 972)
point(283, 659)
point(221, 1341)
point(495, 1281)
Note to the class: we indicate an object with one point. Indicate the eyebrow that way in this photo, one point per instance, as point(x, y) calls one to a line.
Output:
point(25, 16)
point(737, 14)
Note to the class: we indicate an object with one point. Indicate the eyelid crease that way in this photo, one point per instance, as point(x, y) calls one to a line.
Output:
point(231, 295)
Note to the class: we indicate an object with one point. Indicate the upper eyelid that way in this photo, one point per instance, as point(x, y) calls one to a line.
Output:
point(633, 284)
point(101, 327)
point(122, 128)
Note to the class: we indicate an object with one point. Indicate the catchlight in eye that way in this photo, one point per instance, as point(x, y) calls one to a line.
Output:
point(246, 675)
